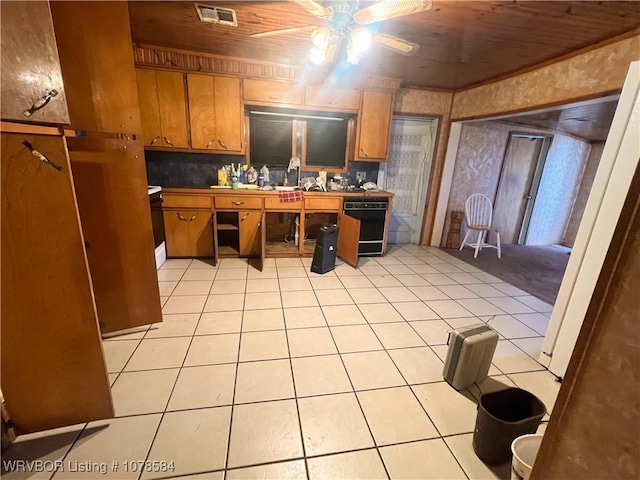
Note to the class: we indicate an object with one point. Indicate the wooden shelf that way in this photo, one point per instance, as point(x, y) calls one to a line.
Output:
point(224, 250)
point(227, 226)
point(281, 248)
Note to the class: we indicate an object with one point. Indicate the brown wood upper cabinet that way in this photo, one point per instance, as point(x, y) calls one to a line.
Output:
point(272, 92)
point(374, 126)
point(215, 111)
point(32, 87)
point(315, 96)
point(163, 110)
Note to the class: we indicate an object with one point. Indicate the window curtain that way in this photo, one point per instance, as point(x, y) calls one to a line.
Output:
point(408, 160)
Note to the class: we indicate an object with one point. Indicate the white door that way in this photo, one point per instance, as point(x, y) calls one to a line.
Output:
point(608, 193)
point(406, 174)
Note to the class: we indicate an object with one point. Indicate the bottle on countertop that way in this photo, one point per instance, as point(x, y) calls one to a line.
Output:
point(252, 175)
point(234, 179)
point(264, 171)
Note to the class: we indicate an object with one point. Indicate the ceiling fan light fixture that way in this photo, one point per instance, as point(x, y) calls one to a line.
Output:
point(317, 55)
point(360, 40)
point(320, 38)
point(390, 9)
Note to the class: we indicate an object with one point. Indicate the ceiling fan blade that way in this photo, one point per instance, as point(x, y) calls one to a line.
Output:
point(390, 9)
point(283, 31)
point(396, 44)
point(314, 8)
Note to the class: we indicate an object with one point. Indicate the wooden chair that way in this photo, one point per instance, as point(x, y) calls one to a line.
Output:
point(479, 212)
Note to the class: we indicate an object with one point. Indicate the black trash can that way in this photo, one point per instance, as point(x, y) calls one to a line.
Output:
point(502, 417)
point(324, 255)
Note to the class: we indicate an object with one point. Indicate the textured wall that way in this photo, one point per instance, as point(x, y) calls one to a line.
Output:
point(558, 189)
point(583, 194)
point(425, 102)
point(591, 73)
point(477, 170)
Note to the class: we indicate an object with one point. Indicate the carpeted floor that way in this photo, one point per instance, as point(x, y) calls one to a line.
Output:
point(536, 270)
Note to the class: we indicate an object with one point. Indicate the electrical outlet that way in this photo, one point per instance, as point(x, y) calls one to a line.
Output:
point(361, 176)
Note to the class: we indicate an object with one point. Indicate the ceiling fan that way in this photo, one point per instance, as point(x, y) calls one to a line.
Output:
point(344, 23)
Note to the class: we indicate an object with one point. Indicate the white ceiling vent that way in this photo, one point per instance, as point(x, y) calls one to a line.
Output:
point(219, 15)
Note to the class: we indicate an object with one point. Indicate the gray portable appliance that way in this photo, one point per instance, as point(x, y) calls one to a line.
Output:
point(469, 355)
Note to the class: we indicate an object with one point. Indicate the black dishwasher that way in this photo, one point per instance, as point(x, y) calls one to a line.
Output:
point(372, 213)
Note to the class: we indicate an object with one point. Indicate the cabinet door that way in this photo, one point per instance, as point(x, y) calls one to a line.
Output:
point(228, 114)
point(149, 108)
point(32, 88)
point(262, 231)
point(250, 236)
point(348, 237)
point(201, 234)
point(176, 232)
point(53, 370)
point(97, 65)
point(116, 223)
point(374, 126)
point(202, 114)
point(331, 97)
point(272, 92)
point(173, 109)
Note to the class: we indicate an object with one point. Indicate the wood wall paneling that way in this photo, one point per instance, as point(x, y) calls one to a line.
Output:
point(30, 64)
point(96, 57)
point(53, 370)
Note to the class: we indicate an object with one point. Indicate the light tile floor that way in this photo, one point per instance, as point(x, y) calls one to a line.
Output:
point(289, 374)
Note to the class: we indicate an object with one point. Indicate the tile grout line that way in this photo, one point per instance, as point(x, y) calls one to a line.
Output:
point(293, 380)
point(175, 382)
point(235, 381)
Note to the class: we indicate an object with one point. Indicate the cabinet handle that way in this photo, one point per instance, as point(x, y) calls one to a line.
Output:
point(363, 152)
point(274, 98)
point(244, 218)
point(194, 217)
point(332, 103)
point(155, 140)
point(238, 203)
point(168, 141)
point(180, 217)
point(39, 155)
point(40, 103)
point(209, 144)
point(222, 144)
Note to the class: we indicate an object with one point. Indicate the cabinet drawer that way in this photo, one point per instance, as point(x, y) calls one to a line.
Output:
point(332, 97)
point(188, 201)
point(327, 204)
point(274, 203)
point(273, 92)
point(238, 202)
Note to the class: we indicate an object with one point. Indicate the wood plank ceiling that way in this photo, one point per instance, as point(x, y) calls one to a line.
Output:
point(462, 43)
point(590, 122)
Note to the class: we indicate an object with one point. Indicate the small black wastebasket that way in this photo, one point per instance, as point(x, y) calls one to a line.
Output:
point(502, 417)
point(324, 255)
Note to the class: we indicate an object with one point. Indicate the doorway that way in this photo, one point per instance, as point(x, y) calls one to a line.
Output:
point(518, 185)
point(407, 173)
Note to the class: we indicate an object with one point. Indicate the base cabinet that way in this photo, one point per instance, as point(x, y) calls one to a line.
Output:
point(189, 233)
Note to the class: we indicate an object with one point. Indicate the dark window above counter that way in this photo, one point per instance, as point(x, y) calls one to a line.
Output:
point(321, 140)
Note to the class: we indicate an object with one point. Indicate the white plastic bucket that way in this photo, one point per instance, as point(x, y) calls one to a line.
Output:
point(524, 449)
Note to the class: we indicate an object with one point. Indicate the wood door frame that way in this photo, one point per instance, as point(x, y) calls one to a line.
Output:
point(423, 210)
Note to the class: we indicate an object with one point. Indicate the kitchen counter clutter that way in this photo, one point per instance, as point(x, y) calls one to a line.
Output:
point(218, 223)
